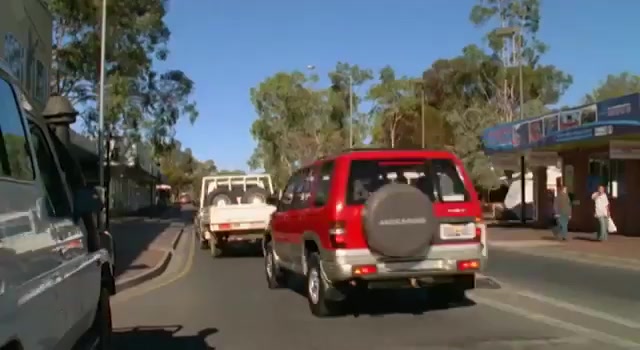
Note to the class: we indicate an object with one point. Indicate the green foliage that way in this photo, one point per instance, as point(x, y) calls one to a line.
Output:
point(461, 96)
point(183, 171)
point(140, 103)
point(524, 14)
point(614, 86)
point(394, 101)
point(467, 126)
point(297, 123)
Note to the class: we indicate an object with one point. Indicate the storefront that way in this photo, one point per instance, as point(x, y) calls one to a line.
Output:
point(596, 144)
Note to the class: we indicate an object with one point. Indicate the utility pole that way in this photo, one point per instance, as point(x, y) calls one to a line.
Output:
point(350, 111)
point(101, 158)
point(515, 33)
point(422, 114)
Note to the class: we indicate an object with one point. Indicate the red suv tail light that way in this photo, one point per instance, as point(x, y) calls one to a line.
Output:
point(338, 234)
point(479, 224)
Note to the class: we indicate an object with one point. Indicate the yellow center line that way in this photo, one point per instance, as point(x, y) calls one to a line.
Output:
point(136, 292)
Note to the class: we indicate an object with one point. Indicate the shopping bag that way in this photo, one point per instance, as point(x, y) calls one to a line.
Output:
point(611, 226)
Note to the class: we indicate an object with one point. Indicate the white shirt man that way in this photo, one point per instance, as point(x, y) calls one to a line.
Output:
point(601, 204)
point(601, 212)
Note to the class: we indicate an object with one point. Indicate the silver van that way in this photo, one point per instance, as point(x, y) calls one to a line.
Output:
point(56, 278)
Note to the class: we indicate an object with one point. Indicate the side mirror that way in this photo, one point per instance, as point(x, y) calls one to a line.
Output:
point(86, 201)
point(273, 200)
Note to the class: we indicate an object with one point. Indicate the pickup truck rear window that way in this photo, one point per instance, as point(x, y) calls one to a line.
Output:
point(440, 179)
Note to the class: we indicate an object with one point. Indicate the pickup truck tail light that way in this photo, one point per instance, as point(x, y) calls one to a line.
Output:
point(338, 234)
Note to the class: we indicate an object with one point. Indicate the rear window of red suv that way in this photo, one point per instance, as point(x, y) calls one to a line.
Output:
point(438, 178)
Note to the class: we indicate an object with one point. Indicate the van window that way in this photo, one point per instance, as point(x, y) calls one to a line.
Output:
point(58, 203)
point(440, 179)
point(324, 184)
point(15, 161)
point(302, 189)
point(287, 194)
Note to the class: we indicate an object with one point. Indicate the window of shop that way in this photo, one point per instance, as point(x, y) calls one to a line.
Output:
point(606, 172)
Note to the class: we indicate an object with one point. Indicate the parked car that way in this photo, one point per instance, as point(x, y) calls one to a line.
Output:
point(56, 269)
point(377, 219)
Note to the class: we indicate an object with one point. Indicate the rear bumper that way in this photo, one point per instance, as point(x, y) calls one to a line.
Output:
point(442, 261)
point(253, 235)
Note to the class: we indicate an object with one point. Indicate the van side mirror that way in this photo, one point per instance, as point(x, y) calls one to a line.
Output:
point(273, 200)
point(86, 201)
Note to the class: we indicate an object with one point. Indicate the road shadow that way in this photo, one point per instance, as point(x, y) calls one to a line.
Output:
point(586, 239)
point(133, 237)
point(378, 303)
point(160, 338)
point(242, 250)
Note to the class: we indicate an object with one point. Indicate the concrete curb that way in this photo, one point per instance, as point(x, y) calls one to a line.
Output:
point(156, 271)
point(176, 240)
point(585, 258)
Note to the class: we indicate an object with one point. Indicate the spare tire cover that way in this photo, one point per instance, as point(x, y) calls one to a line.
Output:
point(255, 195)
point(218, 197)
point(399, 221)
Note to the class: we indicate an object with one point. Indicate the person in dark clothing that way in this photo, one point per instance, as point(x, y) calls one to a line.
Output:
point(562, 207)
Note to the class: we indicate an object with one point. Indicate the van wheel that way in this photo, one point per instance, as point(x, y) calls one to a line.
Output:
point(319, 305)
point(102, 323)
point(204, 244)
point(276, 278)
point(214, 248)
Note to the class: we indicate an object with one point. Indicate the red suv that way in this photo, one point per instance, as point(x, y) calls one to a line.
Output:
point(377, 219)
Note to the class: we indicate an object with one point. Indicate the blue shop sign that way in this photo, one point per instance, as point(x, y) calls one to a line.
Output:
point(620, 108)
point(499, 137)
point(569, 125)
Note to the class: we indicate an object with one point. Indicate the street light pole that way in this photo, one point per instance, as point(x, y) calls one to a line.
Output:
point(422, 115)
point(516, 36)
point(101, 160)
point(312, 67)
point(350, 111)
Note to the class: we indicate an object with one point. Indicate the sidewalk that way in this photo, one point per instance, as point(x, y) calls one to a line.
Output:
point(617, 250)
point(144, 246)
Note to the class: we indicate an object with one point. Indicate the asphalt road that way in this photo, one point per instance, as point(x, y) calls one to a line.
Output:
point(202, 303)
point(598, 288)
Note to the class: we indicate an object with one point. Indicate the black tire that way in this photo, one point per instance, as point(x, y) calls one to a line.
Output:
point(204, 244)
point(276, 278)
point(220, 195)
point(255, 193)
point(102, 323)
point(215, 249)
point(320, 306)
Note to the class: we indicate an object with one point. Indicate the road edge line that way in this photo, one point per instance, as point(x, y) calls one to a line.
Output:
point(120, 298)
point(604, 261)
point(571, 327)
point(545, 299)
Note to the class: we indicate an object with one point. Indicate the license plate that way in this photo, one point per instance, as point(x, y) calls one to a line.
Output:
point(415, 266)
point(461, 231)
point(427, 265)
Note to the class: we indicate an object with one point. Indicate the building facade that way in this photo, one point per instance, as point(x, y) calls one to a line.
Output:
point(596, 144)
point(26, 28)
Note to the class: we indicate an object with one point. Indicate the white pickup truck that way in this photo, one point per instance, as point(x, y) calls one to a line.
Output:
point(233, 209)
